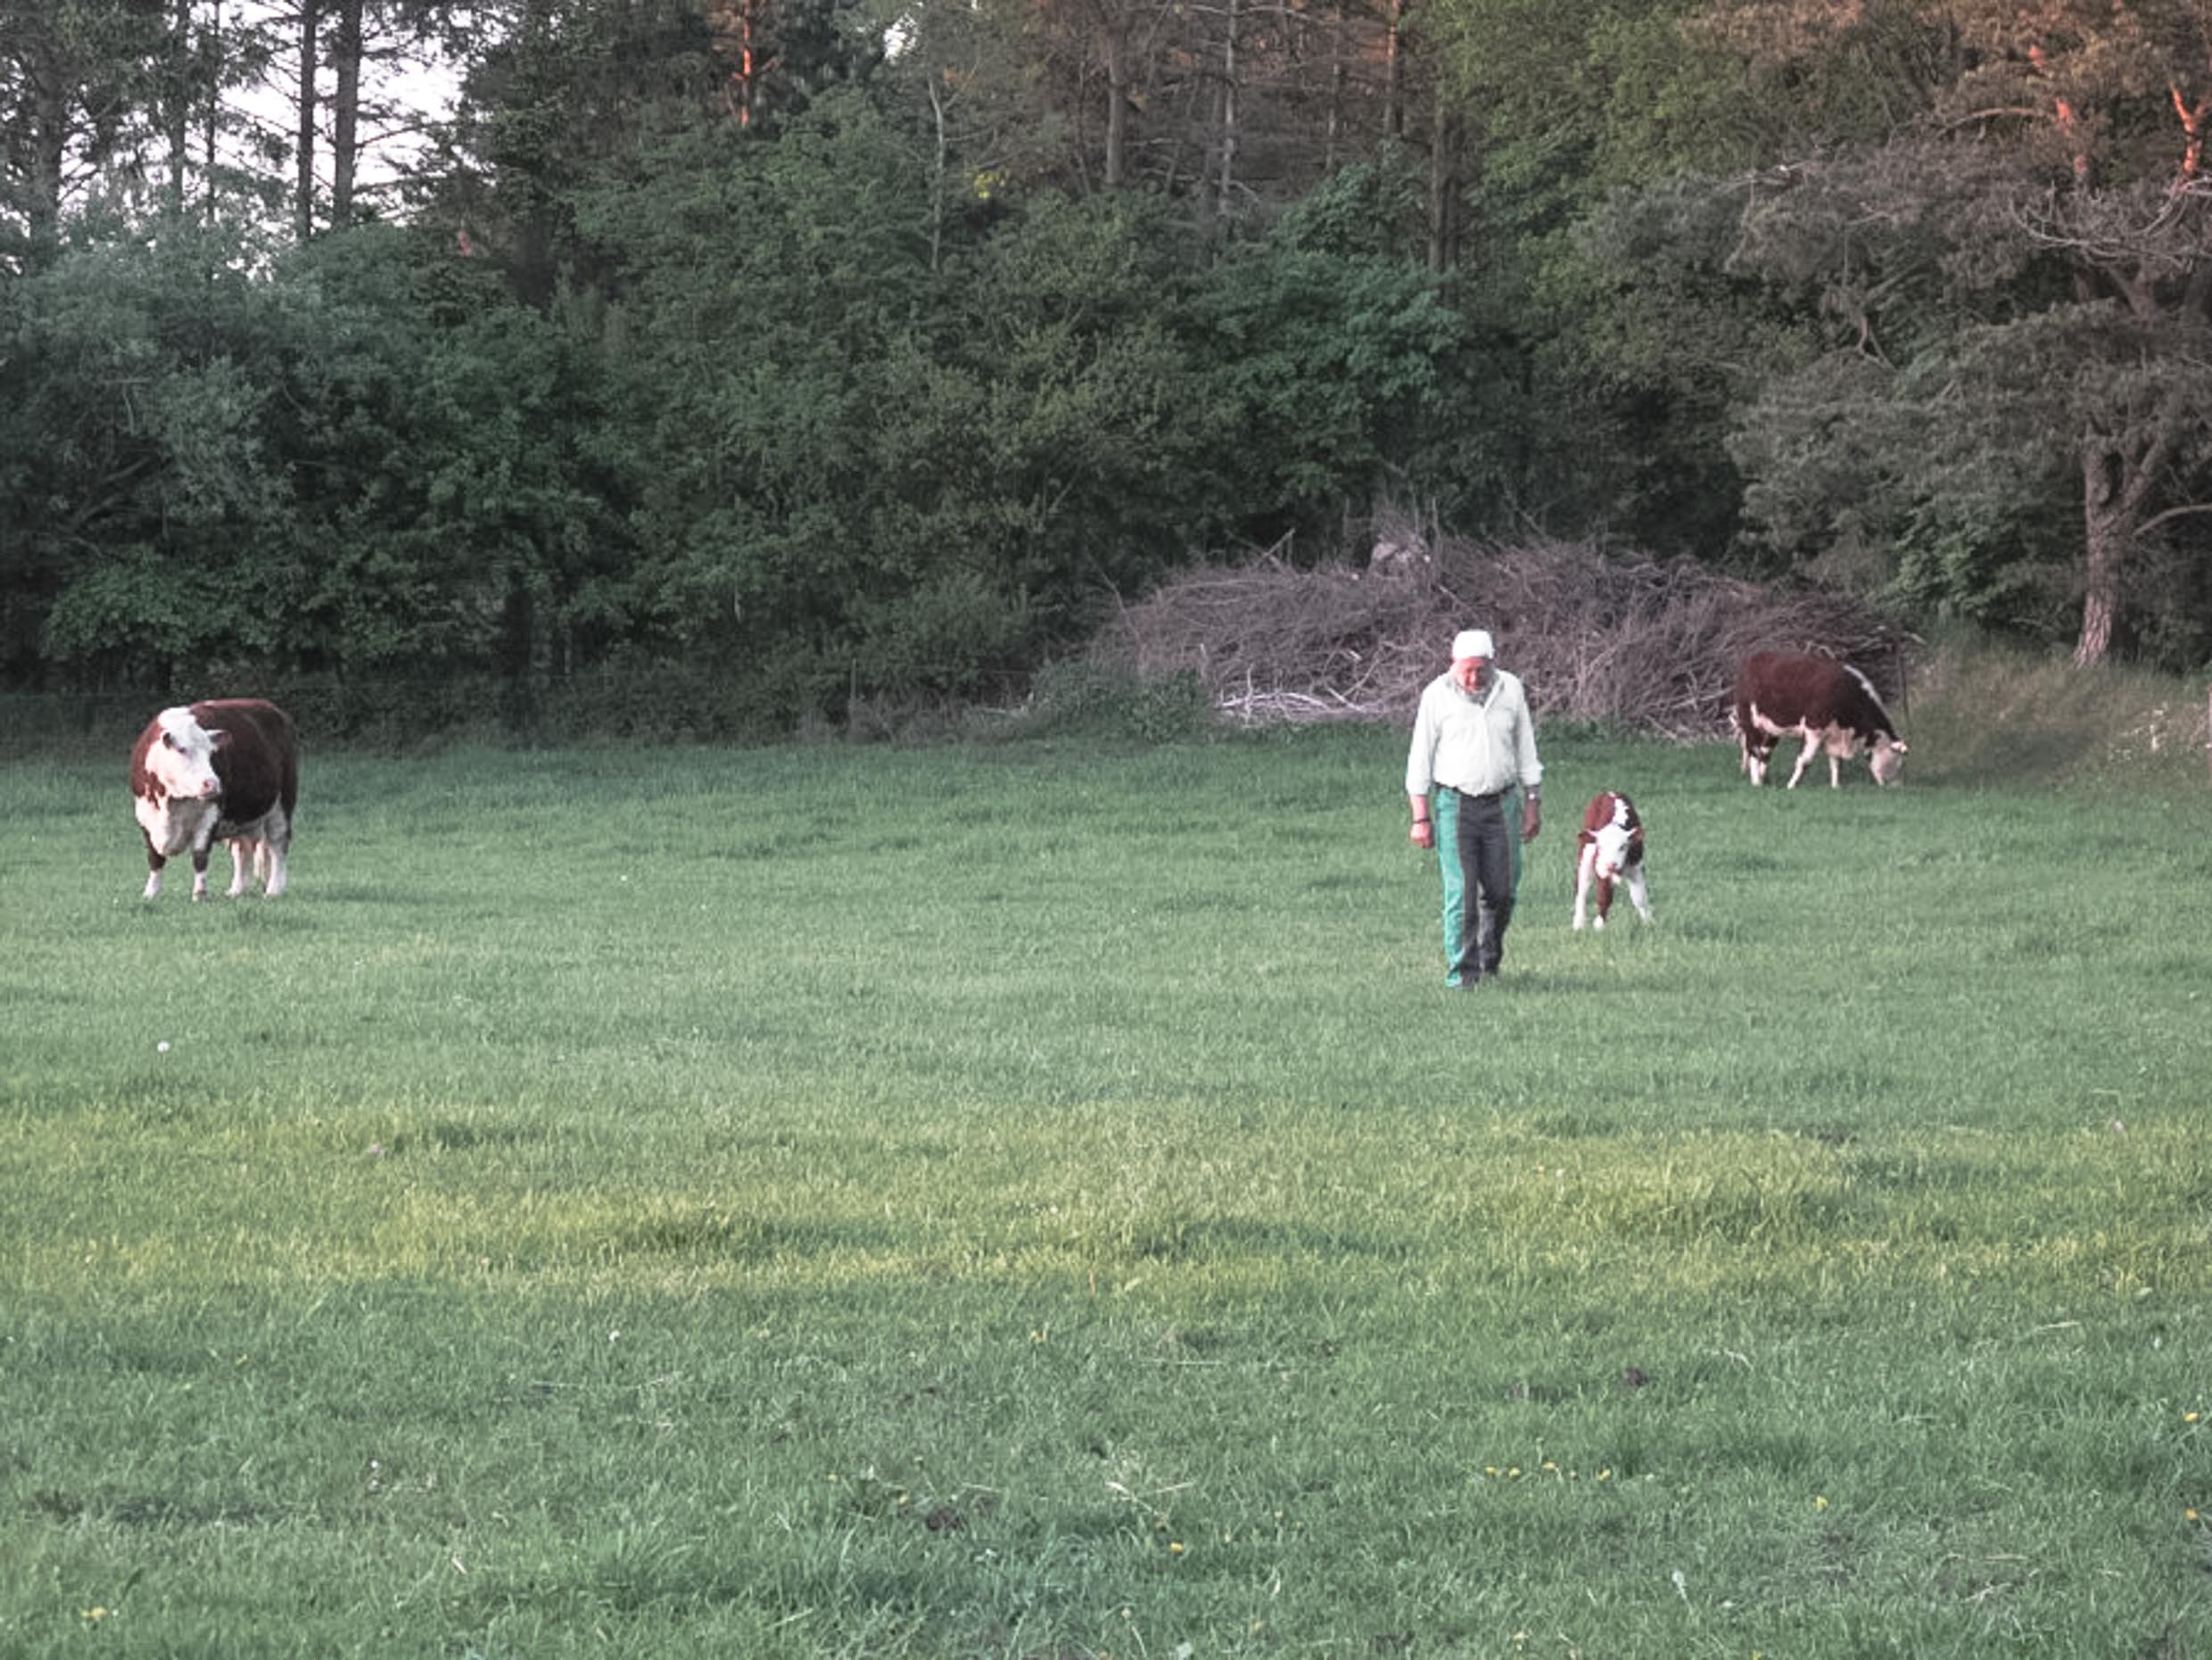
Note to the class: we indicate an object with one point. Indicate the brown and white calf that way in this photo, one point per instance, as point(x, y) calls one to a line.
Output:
point(1610, 849)
point(1829, 705)
point(227, 769)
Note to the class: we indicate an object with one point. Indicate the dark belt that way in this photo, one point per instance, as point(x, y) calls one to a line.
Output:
point(1496, 795)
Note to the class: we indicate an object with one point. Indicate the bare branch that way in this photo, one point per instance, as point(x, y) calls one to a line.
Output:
point(1619, 639)
point(2156, 519)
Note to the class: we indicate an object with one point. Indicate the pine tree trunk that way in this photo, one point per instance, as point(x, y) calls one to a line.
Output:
point(2101, 601)
point(346, 112)
point(939, 173)
point(2106, 533)
point(1339, 81)
point(1228, 111)
point(1443, 188)
point(1394, 72)
point(48, 150)
point(1116, 50)
point(311, 66)
point(176, 117)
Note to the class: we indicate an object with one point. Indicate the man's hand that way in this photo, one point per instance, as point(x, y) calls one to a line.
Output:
point(1532, 819)
point(1423, 833)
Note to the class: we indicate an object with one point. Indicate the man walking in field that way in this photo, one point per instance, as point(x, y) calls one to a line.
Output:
point(1473, 746)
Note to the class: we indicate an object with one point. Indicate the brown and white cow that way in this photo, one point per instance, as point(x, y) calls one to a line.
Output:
point(1829, 705)
point(1610, 848)
point(225, 768)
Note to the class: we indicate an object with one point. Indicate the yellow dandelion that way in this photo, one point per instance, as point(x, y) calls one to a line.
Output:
point(1820, 1503)
point(1176, 1548)
point(2191, 1417)
point(1605, 1475)
point(1514, 1475)
point(2189, 1515)
point(1550, 1466)
point(1491, 1470)
point(96, 1615)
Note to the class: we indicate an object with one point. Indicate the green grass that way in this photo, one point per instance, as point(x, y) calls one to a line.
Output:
point(1040, 1200)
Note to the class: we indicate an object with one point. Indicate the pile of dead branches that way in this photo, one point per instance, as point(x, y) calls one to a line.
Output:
point(1620, 640)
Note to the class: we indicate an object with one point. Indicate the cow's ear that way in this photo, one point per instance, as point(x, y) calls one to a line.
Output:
point(221, 737)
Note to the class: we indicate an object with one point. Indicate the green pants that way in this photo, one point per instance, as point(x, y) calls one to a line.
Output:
point(1478, 849)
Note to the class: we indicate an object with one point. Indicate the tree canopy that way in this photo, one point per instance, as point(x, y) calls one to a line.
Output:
point(835, 346)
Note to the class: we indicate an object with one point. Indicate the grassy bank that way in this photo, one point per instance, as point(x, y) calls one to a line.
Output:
point(1040, 1200)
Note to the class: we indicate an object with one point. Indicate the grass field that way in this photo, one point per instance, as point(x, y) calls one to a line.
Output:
point(1039, 1200)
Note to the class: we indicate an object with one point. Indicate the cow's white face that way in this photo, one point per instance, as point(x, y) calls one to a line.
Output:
point(179, 810)
point(1888, 760)
point(1610, 842)
point(182, 759)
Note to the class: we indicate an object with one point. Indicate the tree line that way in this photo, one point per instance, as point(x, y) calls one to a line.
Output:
point(828, 346)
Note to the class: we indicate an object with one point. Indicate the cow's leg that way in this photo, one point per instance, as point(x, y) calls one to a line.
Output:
point(154, 862)
point(202, 846)
point(1582, 868)
point(1638, 896)
point(243, 852)
point(276, 849)
point(1804, 758)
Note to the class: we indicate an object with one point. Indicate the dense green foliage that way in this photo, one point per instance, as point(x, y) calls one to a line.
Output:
point(839, 354)
point(667, 1204)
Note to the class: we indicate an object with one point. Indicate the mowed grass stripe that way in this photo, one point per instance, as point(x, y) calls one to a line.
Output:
point(1039, 1199)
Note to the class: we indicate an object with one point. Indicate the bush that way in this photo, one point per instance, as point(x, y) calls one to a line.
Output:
point(1096, 700)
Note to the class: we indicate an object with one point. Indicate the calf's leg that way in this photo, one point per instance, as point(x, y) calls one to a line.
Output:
point(1638, 896)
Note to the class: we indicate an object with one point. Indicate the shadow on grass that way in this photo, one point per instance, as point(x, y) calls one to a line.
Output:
point(713, 1236)
point(147, 1510)
point(1221, 1239)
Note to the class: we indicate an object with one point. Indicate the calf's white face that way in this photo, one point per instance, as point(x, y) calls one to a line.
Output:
point(1888, 760)
point(1611, 844)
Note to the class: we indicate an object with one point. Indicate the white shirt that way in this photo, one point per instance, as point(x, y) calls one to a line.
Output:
point(1477, 745)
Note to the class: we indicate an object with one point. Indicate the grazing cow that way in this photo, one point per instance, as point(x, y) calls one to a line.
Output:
point(227, 769)
point(1829, 705)
point(1610, 848)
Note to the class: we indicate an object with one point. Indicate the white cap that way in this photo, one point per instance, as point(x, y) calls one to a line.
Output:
point(1474, 642)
